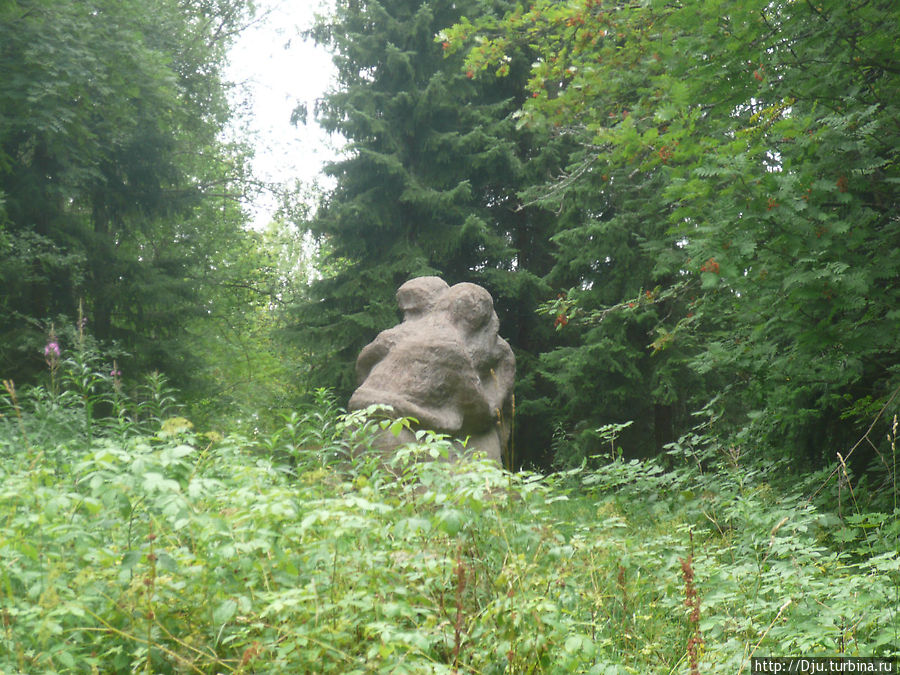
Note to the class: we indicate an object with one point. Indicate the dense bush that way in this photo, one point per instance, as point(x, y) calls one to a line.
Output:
point(143, 546)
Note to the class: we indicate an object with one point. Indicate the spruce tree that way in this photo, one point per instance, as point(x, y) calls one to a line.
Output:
point(428, 185)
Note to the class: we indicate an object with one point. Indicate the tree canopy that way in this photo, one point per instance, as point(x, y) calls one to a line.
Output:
point(749, 151)
point(119, 194)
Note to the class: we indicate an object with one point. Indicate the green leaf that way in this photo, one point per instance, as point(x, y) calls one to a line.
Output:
point(166, 562)
point(224, 612)
point(156, 482)
point(450, 520)
point(130, 559)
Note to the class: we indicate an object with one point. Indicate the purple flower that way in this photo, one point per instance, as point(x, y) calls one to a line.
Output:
point(115, 373)
point(51, 350)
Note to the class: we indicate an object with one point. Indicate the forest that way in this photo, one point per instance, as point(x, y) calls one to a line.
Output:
point(687, 215)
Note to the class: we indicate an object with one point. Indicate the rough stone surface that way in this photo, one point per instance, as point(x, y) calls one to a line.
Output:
point(444, 364)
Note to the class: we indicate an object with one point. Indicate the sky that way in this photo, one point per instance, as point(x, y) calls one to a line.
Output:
point(276, 70)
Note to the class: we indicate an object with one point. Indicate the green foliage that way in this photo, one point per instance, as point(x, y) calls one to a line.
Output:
point(611, 247)
point(118, 190)
point(245, 374)
point(155, 548)
point(724, 228)
point(743, 153)
point(86, 396)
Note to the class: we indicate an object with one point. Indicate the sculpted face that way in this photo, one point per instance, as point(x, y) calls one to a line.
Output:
point(445, 365)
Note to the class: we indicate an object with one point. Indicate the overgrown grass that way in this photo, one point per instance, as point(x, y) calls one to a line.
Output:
point(139, 546)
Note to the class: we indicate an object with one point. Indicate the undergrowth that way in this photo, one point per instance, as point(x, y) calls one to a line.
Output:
point(133, 544)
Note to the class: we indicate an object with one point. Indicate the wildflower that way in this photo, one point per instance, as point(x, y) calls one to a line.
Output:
point(52, 353)
point(116, 376)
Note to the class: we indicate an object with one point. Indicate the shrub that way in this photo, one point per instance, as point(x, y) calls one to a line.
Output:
point(165, 550)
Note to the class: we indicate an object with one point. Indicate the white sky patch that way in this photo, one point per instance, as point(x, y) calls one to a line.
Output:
point(276, 70)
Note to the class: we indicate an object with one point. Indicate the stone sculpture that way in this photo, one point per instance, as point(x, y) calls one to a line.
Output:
point(444, 365)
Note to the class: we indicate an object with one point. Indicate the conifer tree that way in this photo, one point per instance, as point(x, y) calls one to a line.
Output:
point(428, 184)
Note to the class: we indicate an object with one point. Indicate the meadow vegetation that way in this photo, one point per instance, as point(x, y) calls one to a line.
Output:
point(134, 543)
